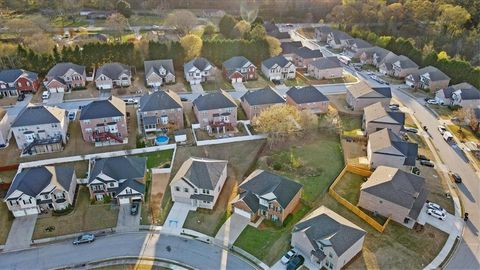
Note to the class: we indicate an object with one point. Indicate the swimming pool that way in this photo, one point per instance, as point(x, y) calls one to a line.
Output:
point(162, 139)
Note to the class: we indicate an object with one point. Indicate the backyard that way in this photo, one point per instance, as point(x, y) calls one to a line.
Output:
point(158, 158)
point(6, 219)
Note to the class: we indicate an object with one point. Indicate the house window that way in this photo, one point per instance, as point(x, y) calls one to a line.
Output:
point(196, 190)
point(164, 119)
point(54, 125)
point(86, 122)
point(111, 184)
point(19, 84)
point(185, 189)
point(330, 255)
point(177, 188)
point(45, 196)
point(229, 109)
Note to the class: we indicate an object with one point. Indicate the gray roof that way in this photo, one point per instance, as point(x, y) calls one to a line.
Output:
point(111, 107)
point(362, 90)
point(339, 35)
point(269, 26)
point(279, 60)
point(11, 75)
point(113, 70)
point(326, 63)
point(133, 184)
point(289, 47)
point(153, 66)
point(360, 43)
point(379, 51)
point(307, 53)
point(307, 94)
point(395, 185)
point(200, 63)
point(435, 73)
point(327, 228)
point(39, 115)
point(263, 96)
point(385, 138)
point(265, 184)
point(324, 29)
point(235, 63)
point(203, 173)
point(160, 100)
point(215, 100)
point(279, 35)
point(118, 168)
point(376, 111)
point(61, 68)
point(468, 92)
point(32, 181)
point(405, 62)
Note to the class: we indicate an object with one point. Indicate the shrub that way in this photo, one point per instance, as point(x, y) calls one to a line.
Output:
point(107, 199)
point(62, 212)
point(277, 166)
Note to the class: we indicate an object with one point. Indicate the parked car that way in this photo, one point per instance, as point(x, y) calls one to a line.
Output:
point(21, 97)
point(130, 101)
point(288, 256)
point(277, 82)
point(393, 108)
point(84, 238)
point(427, 163)
point(134, 208)
point(422, 157)
point(456, 178)
point(431, 205)
point(436, 214)
point(447, 136)
point(71, 116)
point(45, 94)
point(442, 129)
point(415, 170)
point(410, 129)
point(432, 101)
point(295, 262)
point(184, 99)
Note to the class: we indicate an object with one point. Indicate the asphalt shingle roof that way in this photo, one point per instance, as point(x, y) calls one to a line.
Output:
point(113, 70)
point(61, 68)
point(39, 115)
point(385, 138)
point(307, 94)
point(133, 184)
point(111, 107)
point(118, 168)
point(289, 47)
point(361, 89)
point(216, 100)
point(204, 173)
point(235, 62)
point(153, 66)
point(435, 73)
point(307, 53)
point(468, 92)
point(376, 111)
point(11, 75)
point(200, 63)
point(326, 63)
point(263, 96)
point(160, 100)
point(279, 60)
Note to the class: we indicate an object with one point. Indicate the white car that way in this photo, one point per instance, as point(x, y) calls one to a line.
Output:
point(432, 101)
point(45, 94)
point(434, 206)
point(286, 258)
point(442, 129)
point(436, 214)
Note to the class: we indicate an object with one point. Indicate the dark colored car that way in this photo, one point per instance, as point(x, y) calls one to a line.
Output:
point(184, 99)
point(295, 262)
point(134, 208)
point(416, 170)
point(21, 97)
point(456, 178)
point(422, 157)
point(84, 238)
point(427, 163)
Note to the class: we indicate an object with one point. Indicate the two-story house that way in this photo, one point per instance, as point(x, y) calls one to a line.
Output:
point(278, 68)
point(159, 72)
point(112, 75)
point(40, 189)
point(399, 66)
point(121, 178)
point(325, 68)
point(199, 182)
point(354, 47)
point(361, 95)
point(5, 130)
point(289, 48)
point(104, 122)
point(327, 239)
point(322, 32)
point(375, 55)
point(303, 56)
point(377, 117)
point(268, 195)
point(254, 102)
point(17, 81)
point(429, 77)
point(65, 76)
point(40, 129)
point(198, 70)
point(462, 94)
point(307, 98)
point(161, 111)
point(239, 69)
point(385, 148)
point(217, 110)
point(338, 39)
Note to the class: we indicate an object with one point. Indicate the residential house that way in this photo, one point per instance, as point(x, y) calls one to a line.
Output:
point(338, 39)
point(120, 178)
point(325, 68)
point(361, 95)
point(274, 31)
point(321, 33)
point(159, 72)
point(268, 195)
point(40, 189)
point(307, 98)
point(65, 76)
point(354, 47)
point(161, 111)
point(16, 81)
point(104, 122)
point(199, 182)
point(40, 129)
point(385, 148)
point(474, 120)
point(239, 69)
point(303, 56)
point(462, 94)
point(198, 70)
point(254, 102)
point(375, 55)
point(113, 75)
point(327, 239)
point(399, 66)
point(5, 131)
point(391, 192)
point(289, 48)
point(278, 68)
point(376, 117)
point(215, 110)
point(429, 77)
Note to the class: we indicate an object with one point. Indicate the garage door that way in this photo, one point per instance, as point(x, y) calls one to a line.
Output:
point(242, 212)
point(31, 211)
point(19, 213)
point(104, 86)
point(124, 200)
point(236, 80)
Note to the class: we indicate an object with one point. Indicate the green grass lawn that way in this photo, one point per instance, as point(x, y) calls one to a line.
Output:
point(7, 176)
point(260, 82)
point(349, 187)
point(156, 159)
point(443, 111)
point(241, 115)
point(463, 133)
point(351, 124)
point(219, 83)
point(298, 81)
point(6, 219)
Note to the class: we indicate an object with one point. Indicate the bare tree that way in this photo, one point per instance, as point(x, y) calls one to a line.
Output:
point(117, 23)
point(183, 20)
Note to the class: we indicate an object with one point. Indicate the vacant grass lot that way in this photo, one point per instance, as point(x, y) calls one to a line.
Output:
point(84, 217)
point(6, 219)
point(158, 159)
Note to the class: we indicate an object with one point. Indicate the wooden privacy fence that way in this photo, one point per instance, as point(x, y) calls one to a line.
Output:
point(357, 211)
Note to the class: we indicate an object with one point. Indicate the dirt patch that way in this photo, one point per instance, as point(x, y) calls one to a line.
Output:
point(157, 190)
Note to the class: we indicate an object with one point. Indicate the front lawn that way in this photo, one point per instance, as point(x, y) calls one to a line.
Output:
point(6, 219)
point(443, 112)
point(260, 82)
point(463, 133)
point(299, 80)
point(158, 158)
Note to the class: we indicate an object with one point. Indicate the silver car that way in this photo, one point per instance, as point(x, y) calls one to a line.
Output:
point(84, 238)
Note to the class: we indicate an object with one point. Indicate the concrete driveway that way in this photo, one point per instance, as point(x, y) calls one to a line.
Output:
point(231, 229)
point(20, 235)
point(197, 88)
point(239, 86)
point(451, 225)
point(127, 222)
point(176, 218)
point(55, 98)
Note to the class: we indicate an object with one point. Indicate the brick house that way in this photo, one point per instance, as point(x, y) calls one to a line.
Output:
point(303, 56)
point(239, 69)
point(112, 75)
point(65, 76)
point(161, 111)
point(16, 81)
point(253, 102)
point(376, 117)
point(215, 110)
point(361, 95)
point(429, 77)
point(325, 68)
point(307, 98)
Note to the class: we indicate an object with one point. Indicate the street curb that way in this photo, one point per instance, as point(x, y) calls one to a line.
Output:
point(118, 261)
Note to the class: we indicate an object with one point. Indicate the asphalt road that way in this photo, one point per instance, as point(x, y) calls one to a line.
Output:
point(191, 252)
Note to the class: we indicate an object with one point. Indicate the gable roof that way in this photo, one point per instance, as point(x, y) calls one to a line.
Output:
point(323, 29)
point(133, 184)
point(236, 62)
point(327, 228)
point(39, 115)
point(113, 70)
point(111, 107)
point(215, 100)
point(204, 173)
point(11, 75)
point(385, 138)
point(339, 35)
point(376, 113)
point(467, 91)
point(153, 66)
point(307, 94)
point(379, 51)
point(289, 47)
point(279, 35)
point(434, 73)
point(122, 167)
point(263, 96)
point(160, 100)
point(307, 53)
point(326, 62)
point(359, 43)
point(199, 63)
point(363, 90)
point(61, 68)
point(279, 60)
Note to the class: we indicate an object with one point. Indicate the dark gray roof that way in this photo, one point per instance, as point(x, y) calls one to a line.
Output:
point(235, 63)
point(435, 73)
point(385, 91)
point(200, 63)
point(307, 53)
point(326, 63)
point(11, 75)
point(32, 181)
point(160, 100)
point(289, 47)
point(262, 183)
point(262, 96)
point(340, 35)
point(124, 167)
point(374, 112)
point(61, 68)
point(203, 173)
point(215, 100)
point(327, 228)
point(111, 107)
point(360, 43)
point(133, 184)
point(153, 66)
point(279, 60)
point(113, 70)
point(468, 92)
point(279, 35)
point(405, 62)
point(269, 26)
point(385, 138)
point(306, 94)
point(324, 29)
point(38, 115)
